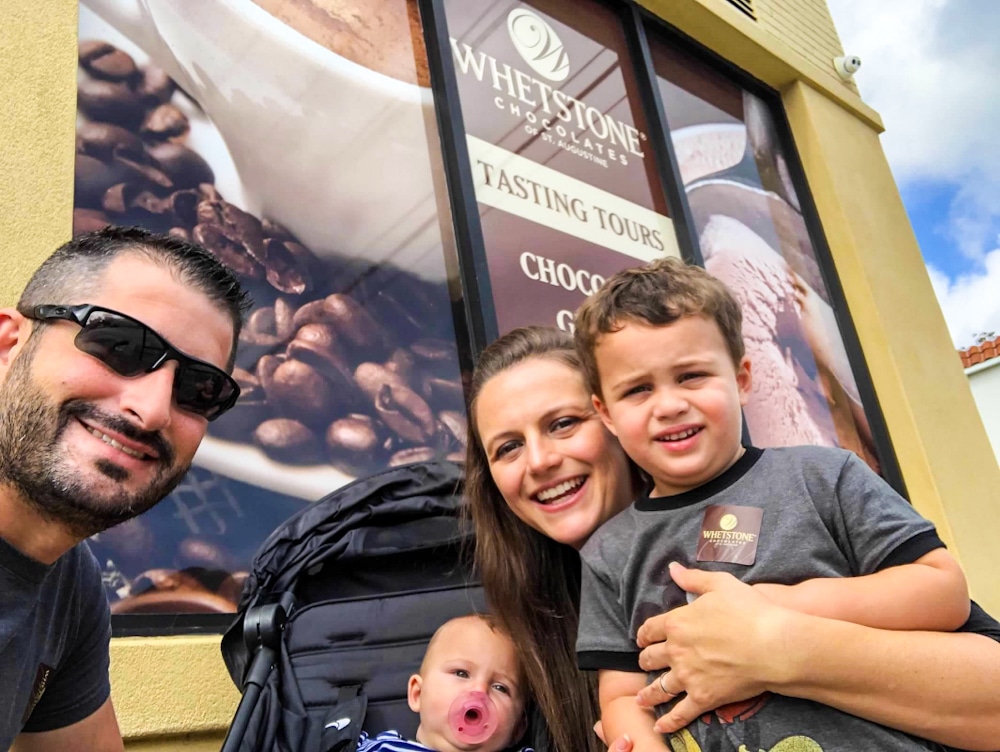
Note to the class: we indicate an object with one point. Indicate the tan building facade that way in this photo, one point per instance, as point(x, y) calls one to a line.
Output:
point(174, 693)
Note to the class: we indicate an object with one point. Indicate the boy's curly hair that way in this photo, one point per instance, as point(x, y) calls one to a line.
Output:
point(657, 294)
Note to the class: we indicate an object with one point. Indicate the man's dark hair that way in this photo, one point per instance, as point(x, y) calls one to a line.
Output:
point(75, 270)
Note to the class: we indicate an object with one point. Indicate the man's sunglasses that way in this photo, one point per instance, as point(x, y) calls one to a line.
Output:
point(131, 348)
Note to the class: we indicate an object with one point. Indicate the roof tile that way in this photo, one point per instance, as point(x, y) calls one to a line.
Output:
point(984, 351)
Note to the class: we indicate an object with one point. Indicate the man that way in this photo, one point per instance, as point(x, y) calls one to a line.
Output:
point(111, 365)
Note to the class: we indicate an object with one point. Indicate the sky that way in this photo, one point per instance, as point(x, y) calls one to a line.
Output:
point(931, 68)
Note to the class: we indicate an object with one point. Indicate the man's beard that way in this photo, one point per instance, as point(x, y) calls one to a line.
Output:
point(32, 463)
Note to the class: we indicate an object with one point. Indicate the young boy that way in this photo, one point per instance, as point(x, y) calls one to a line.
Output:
point(812, 527)
point(469, 693)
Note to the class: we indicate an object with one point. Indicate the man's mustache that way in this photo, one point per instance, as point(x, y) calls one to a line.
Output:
point(81, 410)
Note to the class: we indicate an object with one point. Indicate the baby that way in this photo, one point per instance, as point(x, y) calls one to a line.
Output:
point(470, 693)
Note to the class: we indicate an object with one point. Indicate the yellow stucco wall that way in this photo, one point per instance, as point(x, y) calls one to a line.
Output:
point(165, 686)
point(173, 693)
point(807, 28)
point(947, 461)
point(37, 75)
point(186, 742)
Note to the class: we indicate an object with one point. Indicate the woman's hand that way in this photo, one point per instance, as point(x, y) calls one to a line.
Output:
point(722, 648)
point(732, 643)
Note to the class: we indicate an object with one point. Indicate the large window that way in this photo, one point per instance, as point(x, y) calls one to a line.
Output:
point(545, 88)
point(399, 184)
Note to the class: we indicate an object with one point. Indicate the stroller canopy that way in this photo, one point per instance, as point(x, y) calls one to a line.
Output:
point(366, 575)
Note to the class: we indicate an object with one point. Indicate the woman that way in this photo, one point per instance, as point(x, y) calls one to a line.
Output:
point(528, 557)
point(543, 474)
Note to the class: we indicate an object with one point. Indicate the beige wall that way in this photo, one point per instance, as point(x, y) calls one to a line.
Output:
point(165, 687)
point(943, 451)
point(808, 30)
point(173, 693)
point(37, 75)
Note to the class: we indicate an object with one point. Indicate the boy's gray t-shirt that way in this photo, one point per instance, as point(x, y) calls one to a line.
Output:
point(55, 632)
point(823, 513)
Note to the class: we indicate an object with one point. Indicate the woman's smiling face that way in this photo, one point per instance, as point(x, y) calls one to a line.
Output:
point(556, 465)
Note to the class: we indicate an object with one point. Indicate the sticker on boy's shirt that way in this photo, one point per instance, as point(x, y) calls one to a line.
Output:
point(730, 534)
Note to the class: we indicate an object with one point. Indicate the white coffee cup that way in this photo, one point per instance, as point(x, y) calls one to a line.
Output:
point(342, 155)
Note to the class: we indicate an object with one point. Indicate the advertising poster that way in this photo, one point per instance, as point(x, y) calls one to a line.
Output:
point(565, 179)
point(752, 235)
point(295, 140)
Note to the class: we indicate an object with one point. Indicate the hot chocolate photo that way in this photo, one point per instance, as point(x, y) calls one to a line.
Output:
point(753, 236)
point(384, 35)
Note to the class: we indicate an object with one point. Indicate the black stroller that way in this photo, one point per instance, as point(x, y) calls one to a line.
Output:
point(338, 609)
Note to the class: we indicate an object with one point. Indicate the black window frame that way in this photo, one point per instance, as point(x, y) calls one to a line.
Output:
point(470, 244)
point(475, 316)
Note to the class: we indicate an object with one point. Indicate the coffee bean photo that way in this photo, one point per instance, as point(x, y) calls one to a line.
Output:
point(344, 353)
point(347, 363)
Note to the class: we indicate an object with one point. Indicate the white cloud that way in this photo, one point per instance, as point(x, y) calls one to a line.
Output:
point(974, 214)
point(970, 303)
point(930, 68)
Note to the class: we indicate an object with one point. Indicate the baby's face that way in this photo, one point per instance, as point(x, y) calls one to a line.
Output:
point(468, 657)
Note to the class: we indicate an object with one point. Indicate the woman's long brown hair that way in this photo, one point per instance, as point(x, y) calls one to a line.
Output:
point(532, 583)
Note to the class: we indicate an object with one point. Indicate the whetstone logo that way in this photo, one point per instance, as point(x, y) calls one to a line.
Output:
point(730, 534)
point(589, 132)
point(538, 44)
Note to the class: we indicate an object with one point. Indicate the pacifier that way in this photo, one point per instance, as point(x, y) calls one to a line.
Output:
point(472, 717)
